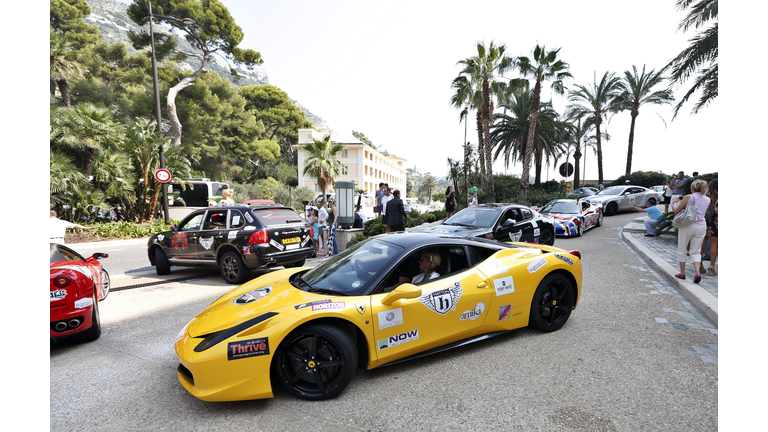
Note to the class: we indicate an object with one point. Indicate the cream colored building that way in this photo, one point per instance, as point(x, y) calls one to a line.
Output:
point(361, 164)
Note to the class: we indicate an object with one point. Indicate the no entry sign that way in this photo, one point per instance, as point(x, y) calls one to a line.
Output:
point(163, 175)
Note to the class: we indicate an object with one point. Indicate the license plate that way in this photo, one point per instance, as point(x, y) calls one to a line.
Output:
point(292, 246)
point(291, 240)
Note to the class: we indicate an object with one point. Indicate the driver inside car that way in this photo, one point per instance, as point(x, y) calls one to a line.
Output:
point(429, 261)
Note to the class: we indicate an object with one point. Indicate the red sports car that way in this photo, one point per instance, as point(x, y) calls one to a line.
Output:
point(77, 286)
point(573, 217)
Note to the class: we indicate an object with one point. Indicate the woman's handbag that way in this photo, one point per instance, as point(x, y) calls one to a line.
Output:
point(688, 216)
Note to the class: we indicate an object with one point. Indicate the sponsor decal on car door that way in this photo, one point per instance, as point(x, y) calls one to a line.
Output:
point(447, 309)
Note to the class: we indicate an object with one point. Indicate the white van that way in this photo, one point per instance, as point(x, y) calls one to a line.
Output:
point(192, 195)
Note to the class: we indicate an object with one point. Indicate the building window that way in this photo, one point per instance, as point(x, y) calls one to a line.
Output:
point(344, 153)
point(344, 169)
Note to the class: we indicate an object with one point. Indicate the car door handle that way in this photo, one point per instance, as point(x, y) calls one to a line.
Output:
point(482, 285)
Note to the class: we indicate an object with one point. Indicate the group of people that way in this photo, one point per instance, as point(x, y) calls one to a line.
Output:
point(450, 199)
point(390, 208)
point(691, 239)
point(320, 219)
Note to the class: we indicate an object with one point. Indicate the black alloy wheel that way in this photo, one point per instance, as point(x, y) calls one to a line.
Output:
point(316, 362)
point(162, 266)
point(233, 268)
point(611, 209)
point(105, 284)
point(652, 201)
point(547, 237)
point(552, 304)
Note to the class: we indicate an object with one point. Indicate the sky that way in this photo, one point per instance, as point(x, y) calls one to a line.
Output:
point(385, 69)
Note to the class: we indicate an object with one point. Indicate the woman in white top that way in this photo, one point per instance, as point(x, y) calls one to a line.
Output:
point(690, 237)
point(428, 263)
point(226, 197)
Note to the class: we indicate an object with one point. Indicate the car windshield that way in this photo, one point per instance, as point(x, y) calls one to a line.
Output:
point(560, 207)
point(613, 190)
point(352, 271)
point(481, 217)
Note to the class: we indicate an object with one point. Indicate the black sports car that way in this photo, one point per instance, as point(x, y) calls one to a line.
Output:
point(503, 222)
point(236, 239)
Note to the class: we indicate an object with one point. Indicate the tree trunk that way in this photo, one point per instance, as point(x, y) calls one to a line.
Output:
point(529, 145)
point(631, 142)
point(599, 151)
point(537, 182)
point(480, 144)
point(490, 194)
point(576, 179)
point(173, 118)
point(255, 168)
point(64, 90)
point(89, 152)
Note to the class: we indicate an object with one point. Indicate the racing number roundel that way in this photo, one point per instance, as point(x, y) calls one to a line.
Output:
point(163, 175)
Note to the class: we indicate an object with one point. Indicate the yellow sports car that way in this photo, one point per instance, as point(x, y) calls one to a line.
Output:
point(387, 299)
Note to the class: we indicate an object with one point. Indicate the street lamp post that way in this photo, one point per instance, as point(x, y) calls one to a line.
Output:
point(186, 21)
point(157, 112)
point(584, 176)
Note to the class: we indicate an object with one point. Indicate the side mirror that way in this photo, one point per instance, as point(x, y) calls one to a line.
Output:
point(508, 222)
point(100, 255)
point(404, 291)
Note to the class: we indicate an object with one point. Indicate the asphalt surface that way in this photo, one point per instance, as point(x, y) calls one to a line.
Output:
point(635, 355)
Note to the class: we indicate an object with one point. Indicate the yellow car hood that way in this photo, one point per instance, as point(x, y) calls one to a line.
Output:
point(269, 293)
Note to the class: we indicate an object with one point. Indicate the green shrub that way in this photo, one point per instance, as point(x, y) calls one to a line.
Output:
point(131, 230)
point(355, 240)
point(642, 178)
point(374, 227)
point(429, 218)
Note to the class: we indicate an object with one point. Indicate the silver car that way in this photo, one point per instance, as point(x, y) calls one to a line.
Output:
point(583, 192)
point(625, 197)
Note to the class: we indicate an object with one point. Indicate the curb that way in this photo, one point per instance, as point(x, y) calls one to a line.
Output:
point(109, 243)
point(697, 295)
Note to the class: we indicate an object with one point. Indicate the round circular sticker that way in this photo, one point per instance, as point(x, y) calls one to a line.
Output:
point(355, 284)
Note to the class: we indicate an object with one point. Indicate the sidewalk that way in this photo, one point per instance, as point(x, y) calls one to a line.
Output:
point(661, 253)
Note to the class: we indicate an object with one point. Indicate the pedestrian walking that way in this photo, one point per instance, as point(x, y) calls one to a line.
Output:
point(395, 214)
point(690, 237)
point(450, 202)
point(332, 247)
point(384, 200)
point(322, 217)
point(58, 228)
point(667, 194)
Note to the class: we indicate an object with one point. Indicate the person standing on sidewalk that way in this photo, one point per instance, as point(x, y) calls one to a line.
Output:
point(667, 195)
point(58, 228)
point(678, 184)
point(712, 229)
point(396, 215)
point(472, 195)
point(654, 214)
point(384, 200)
point(332, 247)
point(322, 216)
point(691, 236)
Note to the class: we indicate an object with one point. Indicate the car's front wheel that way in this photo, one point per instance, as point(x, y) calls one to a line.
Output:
point(105, 284)
point(316, 362)
point(652, 201)
point(580, 231)
point(162, 266)
point(600, 218)
point(233, 268)
point(552, 303)
point(611, 209)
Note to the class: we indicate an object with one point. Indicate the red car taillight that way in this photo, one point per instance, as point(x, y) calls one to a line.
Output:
point(259, 237)
point(61, 281)
point(311, 232)
point(576, 253)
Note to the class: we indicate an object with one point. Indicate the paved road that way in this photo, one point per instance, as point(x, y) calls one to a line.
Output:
point(629, 359)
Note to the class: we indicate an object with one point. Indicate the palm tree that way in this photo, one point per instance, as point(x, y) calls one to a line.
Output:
point(469, 97)
point(698, 58)
point(64, 177)
point(544, 67)
point(577, 139)
point(427, 185)
point(484, 70)
point(63, 65)
point(85, 126)
point(323, 162)
point(637, 90)
point(510, 132)
point(593, 106)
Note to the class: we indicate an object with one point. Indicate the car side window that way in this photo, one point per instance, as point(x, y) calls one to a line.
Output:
point(192, 224)
point(215, 220)
point(69, 255)
point(235, 219)
point(478, 254)
point(527, 214)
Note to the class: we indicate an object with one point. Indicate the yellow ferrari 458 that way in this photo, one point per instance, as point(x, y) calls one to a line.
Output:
point(388, 299)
